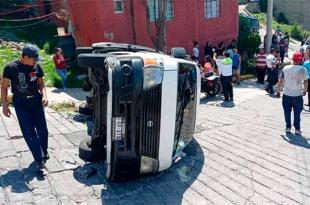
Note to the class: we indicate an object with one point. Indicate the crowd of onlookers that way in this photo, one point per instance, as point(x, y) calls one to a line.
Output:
point(213, 53)
point(223, 60)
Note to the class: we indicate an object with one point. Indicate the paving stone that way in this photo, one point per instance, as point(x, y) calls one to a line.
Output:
point(63, 142)
point(9, 163)
point(2, 196)
point(66, 186)
point(20, 145)
point(6, 144)
point(239, 156)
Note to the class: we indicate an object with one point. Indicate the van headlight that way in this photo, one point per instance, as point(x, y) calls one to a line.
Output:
point(153, 73)
point(148, 165)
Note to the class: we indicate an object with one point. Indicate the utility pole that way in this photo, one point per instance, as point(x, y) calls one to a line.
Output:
point(269, 24)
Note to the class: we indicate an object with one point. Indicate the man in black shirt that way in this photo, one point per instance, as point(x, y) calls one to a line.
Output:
point(29, 99)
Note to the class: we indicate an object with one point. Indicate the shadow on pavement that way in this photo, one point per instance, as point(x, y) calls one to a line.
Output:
point(17, 180)
point(297, 140)
point(215, 99)
point(85, 119)
point(226, 104)
point(166, 187)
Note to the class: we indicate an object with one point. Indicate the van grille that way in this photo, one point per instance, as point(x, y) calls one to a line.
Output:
point(150, 122)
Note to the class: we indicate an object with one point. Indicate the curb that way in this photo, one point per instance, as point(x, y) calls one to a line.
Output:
point(247, 77)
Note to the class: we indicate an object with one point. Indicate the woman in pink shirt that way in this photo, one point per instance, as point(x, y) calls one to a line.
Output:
point(61, 67)
point(208, 66)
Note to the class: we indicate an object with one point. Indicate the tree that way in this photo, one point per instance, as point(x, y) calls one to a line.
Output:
point(247, 41)
point(158, 32)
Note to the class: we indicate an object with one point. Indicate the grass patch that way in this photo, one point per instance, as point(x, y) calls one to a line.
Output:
point(64, 107)
point(296, 31)
point(51, 77)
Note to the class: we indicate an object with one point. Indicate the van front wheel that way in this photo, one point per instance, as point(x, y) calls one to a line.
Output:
point(89, 154)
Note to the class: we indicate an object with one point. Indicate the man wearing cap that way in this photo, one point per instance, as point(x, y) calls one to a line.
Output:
point(293, 76)
point(29, 99)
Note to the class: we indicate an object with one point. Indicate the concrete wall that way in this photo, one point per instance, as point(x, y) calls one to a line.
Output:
point(296, 11)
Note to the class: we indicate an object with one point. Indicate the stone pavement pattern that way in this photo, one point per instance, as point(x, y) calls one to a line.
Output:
point(240, 155)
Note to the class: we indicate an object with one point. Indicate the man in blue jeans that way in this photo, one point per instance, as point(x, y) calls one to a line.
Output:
point(293, 76)
point(29, 99)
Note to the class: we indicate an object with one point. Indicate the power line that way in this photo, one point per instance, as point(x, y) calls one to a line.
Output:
point(55, 2)
point(26, 25)
point(29, 19)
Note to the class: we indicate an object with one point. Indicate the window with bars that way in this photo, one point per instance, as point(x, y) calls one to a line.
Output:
point(153, 10)
point(118, 6)
point(212, 9)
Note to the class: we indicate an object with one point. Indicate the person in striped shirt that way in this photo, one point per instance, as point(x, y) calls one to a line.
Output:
point(260, 64)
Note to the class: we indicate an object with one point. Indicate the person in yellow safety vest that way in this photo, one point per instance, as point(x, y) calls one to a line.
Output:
point(225, 71)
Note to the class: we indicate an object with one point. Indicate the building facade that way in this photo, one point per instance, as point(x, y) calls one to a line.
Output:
point(125, 21)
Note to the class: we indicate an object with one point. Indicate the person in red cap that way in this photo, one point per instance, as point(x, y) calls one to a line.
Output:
point(293, 76)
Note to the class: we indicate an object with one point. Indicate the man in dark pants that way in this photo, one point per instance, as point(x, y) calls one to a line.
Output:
point(225, 71)
point(29, 99)
point(293, 76)
point(272, 71)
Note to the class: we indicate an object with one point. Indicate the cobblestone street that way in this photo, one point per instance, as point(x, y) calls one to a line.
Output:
point(240, 155)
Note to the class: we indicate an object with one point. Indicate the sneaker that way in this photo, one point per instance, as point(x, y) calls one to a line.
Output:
point(288, 130)
point(297, 132)
point(267, 90)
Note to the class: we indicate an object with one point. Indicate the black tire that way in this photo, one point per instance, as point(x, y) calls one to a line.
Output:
point(214, 90)
point(81, 50)
point(89, 154)
point(84, 110)
point(91, 60)
point(87, 86)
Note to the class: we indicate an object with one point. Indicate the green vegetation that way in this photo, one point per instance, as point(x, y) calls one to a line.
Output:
point(7, 55)
point(64, 107)
point(248, 43)
point(295, 31)
point(51, 77)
